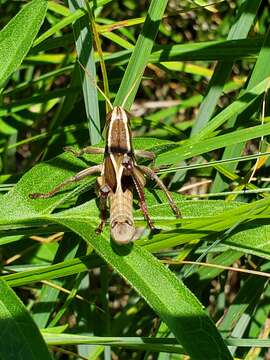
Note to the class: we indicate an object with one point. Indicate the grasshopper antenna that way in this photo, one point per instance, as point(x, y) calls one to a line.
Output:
point(95, 83)
point(130, 91)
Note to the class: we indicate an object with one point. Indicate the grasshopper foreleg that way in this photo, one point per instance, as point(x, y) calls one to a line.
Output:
point(86, 150)
point(79, 176)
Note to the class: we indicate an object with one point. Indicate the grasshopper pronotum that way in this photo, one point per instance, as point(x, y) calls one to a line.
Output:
point(119, 174)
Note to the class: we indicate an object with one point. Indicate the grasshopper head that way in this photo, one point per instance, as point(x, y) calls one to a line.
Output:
point(122, 231)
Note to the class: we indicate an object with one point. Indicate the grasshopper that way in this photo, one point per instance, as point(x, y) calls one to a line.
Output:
point(119, 175)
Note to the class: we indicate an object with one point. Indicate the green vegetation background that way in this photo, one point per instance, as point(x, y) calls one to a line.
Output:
point(197, 79)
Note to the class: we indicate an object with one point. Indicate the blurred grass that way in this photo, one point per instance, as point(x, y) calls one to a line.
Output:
point(189, 111)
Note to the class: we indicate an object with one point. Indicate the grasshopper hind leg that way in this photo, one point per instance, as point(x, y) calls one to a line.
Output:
point(103, 210)
point(104, 191)
point(138, 181)
point(143, 206)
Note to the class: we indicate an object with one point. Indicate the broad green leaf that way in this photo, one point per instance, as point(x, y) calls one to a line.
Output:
point(17, 210)
point(17, 37)
point(251, 239)
point(167, 295)
point(244, 228)
point(19, 336)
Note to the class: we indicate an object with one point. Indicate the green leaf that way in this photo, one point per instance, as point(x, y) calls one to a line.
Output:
point(189, 149)
point(149, 344)
point(260, 72)
point(207, 50)
point(17, 37)
point(242, 227)
point(19, 336)
point(235, 108)
point(85, 51)
point(239, 30)
point(141, 53)
point(167, 295)
point(65, 268)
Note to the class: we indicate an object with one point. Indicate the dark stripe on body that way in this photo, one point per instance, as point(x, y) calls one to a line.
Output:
point(120, 137)
point(117, 150)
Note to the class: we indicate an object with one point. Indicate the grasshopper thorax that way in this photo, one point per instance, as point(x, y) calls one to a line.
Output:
point(118, 139)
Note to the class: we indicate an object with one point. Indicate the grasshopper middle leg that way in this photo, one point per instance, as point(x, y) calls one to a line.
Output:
point(149, 172)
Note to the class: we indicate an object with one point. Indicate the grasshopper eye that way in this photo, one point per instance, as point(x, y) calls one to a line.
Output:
point(113, 224)
point(129, 222)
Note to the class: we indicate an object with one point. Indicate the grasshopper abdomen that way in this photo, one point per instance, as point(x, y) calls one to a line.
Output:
point(121, 218)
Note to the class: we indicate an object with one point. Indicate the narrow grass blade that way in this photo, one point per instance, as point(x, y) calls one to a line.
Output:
point(209, 50)
point(260, 72)
point(100, 54)
point(141, 53)
point(187, 150)
point(24, 28)
point(240, 29)
point(60, 25)
point(66, 268)
point(143, 344)
point(67, 20)
point(237, 107)
point(248, 296)
point(20, 337)
point(85, 50)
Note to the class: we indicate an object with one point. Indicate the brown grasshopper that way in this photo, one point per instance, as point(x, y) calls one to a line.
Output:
point(119, 174)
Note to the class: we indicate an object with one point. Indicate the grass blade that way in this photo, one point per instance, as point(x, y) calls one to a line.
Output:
point(20, 337)
point(260, 72)
point(187, 151)
point(85, 50)
point(141, 53)
point(240, 30)
point(24, 28)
